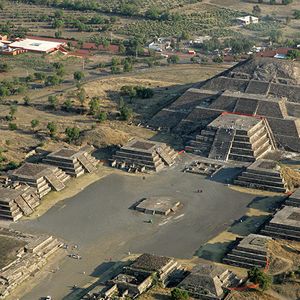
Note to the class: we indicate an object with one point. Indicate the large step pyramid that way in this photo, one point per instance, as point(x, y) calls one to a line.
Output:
point(234, 137)
point(144, 155)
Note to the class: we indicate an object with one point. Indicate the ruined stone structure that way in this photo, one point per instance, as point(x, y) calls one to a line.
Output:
point(144, 155)
point(263, 174)
point(251, 251)
point(74, 163)
point(234, 137)
point(158, 205)
point(17, 201)
point(42, 177)
point(208, 282)
point(30, 259)
point(136, 278)
point(285, 224)
point(260, 86)
point(294, 199)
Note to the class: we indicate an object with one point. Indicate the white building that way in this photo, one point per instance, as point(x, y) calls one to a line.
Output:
point(156, 47)
point(248, 20)
point(36, 45)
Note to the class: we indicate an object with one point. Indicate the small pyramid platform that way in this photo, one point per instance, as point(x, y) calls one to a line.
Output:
point(264, 174)
point(234, 137)
point(144, 155)
point(285, 224)
point(250, 252)
point(294, 199)
point(42, 177)
point(17, 200)
point(73, 162)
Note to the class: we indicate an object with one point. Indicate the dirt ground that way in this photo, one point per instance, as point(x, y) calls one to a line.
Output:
point(8, 249)
point(167, 85)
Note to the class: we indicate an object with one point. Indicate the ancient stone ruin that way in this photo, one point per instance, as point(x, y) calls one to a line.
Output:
point(262, 87)
point(42, 177)
point(158, 205)
point(29, 260)
point(207, 281)
point(73, 162)
point(234, 137)
point(285, 224)
point(251, 251)
point(142, 155)
point(17, 201)
point(264, 174)
point(294, 199)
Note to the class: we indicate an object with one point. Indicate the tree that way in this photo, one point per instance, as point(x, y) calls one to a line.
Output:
point(102, 116)
point(52, 128)
point(127, 66)
point(256, 10)
point(275, 36)
point(173, 59)
point(296, 14)
point(94, 105)
point(26, 100)
point(115, 70)
point(68, 104)
point(12, 111)
point(12, 126)
point(178, 294)
point(34, 123)
point(126, 113)
point(257, 276)
point(293, 54)
point(81, 96)
point(4, 67)
point(78, 75)
point(73, 134)
point(53, 101)
point(143, 92)
point(52, 80)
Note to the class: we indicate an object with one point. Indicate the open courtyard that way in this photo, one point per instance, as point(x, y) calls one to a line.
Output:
point(104, 228)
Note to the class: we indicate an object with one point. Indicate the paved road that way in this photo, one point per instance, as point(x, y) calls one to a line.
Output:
point(99, 221)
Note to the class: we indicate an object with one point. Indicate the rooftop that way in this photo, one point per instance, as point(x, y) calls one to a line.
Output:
point(235, 121)
point(141, 145)
point(288, 215)
point(150, 262)
point(64, 153)
point(30, 170)
point(265, 165)
point(7, 194)
point(255, 242)
point(35, 45)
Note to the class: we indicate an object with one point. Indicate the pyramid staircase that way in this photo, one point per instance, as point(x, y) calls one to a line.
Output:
point(88, 162)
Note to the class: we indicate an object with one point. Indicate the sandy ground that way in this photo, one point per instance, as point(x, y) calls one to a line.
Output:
point(98, 220)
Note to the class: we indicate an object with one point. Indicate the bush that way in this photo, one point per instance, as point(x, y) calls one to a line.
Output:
point(78, 75)
point(34, 123)
point(52, 127)
point(259, 277)
point(12, 126)
point(178, 294)
point(102, 116)
point(72, 133)
point(126, 113)
point(173, 59)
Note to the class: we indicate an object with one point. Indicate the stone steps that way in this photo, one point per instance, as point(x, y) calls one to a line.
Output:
point(252, 179)
point(241, 264)
point(278, 234)
point(56, 184)
point(244, 158)
point(259, 186)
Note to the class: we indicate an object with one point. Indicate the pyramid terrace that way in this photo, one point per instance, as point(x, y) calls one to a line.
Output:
point(263, 174)
point(250, 252)
point(18, 201)
point(144, 155)
point(73, 162)
point(43, 177)
point(285, 224)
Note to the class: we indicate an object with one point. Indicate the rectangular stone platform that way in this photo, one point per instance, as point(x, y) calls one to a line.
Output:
point(251, 251)
point(73, 162)
point(158, 205)
point(142, 155)
point(285, 224)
